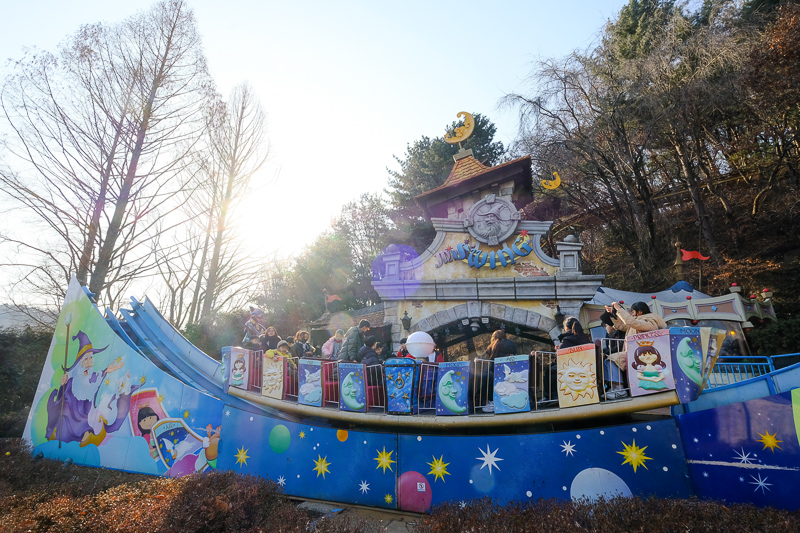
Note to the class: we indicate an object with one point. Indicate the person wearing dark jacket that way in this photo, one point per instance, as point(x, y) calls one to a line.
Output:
point(353, 341)
point(270, 339)
point(367, 353)
point(302, 347)
point(573, 334)
point(500, 346)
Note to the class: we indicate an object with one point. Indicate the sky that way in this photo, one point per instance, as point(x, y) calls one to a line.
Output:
point(348, 84)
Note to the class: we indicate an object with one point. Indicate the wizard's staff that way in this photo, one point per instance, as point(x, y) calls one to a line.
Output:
point(67, 321)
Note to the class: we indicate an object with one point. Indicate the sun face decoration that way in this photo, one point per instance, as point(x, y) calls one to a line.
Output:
point(577, 380)
point(273, 375)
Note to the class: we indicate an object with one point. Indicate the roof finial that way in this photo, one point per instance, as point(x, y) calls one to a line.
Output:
point(461, 133)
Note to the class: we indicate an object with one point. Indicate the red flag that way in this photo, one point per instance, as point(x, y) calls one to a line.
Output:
point(332, 297)
point(688, 254)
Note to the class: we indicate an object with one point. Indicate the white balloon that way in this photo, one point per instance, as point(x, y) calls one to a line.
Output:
point(420, 344)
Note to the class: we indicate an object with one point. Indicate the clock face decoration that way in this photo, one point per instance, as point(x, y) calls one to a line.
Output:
point(492, 220)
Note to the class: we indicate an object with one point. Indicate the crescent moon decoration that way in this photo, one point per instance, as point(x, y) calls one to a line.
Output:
point(349, 394)
point(447, 394)
point(552, 184)
point(461, 133)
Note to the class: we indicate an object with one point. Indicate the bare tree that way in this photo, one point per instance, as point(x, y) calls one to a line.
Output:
point(238, 149)
point(98, 156)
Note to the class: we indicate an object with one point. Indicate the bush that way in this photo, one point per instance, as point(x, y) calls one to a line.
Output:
point(776, 338)
point(607, 516)
point(22, 356)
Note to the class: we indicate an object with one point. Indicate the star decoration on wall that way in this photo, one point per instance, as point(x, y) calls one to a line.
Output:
point(634, 455)
point(438, 468)
point(282, 481)
point(568, 448)
point(143, 380)
point(385, 460)
point(760, 483)
point(770, 441)
point(186, 414)
point(388, 498)
point(241, 457)
point(489, 459)
point(321, 466)
point(363, 487)
point(302, 434)
point(743, 457)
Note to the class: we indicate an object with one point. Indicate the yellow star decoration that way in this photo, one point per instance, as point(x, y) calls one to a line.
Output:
point(242, 457)
point(160, 398)
point(385, 460)
point(107, 381)
point(770, 441)
point(143, 380)
point(302, 434)
point(119, 359)
point(634, 455)
point(186, 414)
point(438, 468)
point(321, 466)
point(388, 498)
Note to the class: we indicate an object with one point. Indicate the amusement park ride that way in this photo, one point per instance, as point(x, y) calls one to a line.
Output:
point(699, 415)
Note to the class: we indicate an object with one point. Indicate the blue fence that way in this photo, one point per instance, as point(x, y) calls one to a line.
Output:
point(732, 370)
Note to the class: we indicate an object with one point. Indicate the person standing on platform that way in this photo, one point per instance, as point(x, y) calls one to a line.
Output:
point(353, 341)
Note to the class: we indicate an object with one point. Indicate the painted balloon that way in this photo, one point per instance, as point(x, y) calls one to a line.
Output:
point(688, 362)
point(279, 439)
point(447, 393)
point(414, 493)
point(349, 394)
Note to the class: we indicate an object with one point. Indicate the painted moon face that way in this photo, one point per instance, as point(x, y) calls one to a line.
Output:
point(349, 394)
point(688, 362)
point(447, 393)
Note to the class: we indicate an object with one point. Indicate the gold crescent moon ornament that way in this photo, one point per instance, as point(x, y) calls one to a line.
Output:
point(461, 133)
point(552, 184)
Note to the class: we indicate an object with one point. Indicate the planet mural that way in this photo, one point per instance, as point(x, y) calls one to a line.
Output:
point(279, 439)
point(414, 493)
point(594, 483)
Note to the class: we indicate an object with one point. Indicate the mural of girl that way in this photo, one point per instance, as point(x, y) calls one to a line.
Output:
point(146, 420)
point(237, 374)
point(647, 360)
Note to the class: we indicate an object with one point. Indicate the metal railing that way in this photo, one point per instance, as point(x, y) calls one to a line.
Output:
point(543, 385)
point(483, 386)
point(256, 360)
point(291, 379)
point(612, 380)
point(375, 387)
point(730, 370)
point(426, 387)
point(543, 380)
point(330, 383)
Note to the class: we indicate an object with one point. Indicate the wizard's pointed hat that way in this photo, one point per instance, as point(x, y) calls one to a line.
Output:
point(84, 348)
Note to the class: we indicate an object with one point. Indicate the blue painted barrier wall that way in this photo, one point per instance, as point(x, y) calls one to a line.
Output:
point(112, 407)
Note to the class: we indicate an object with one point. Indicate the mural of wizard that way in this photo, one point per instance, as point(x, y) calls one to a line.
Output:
point(81, 410)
